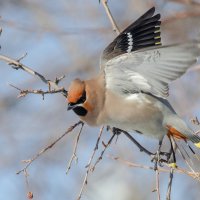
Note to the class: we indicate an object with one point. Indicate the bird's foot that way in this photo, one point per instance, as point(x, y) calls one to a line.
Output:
point(158, 159)
point(116, 131)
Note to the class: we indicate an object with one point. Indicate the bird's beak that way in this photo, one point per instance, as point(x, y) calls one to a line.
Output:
point(70, 106)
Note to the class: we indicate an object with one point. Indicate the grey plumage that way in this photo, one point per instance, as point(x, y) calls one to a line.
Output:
point(150, 70)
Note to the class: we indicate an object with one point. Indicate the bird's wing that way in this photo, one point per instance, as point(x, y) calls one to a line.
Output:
point(144, 32)
point(150, 70)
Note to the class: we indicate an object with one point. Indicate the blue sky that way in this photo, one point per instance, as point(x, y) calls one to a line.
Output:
point(67, 37)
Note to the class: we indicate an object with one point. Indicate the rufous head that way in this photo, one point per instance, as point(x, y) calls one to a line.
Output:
point(76, 97)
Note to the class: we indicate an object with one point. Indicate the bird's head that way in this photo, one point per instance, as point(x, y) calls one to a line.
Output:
point(77, 97)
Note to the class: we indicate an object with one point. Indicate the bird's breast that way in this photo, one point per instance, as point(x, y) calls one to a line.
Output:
point(134, 112)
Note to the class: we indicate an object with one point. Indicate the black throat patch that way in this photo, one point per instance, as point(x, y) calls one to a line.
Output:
point(79, 110)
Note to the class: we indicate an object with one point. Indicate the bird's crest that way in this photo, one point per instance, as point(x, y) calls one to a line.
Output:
point(76, 90)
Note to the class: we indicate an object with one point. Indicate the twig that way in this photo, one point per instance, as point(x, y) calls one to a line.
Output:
point(74, 156)
point(23, 93)
point(169, 188)
point(194, 175)
point(29, 193)
point(157, 184)
point(102, 153)
point(16, 64)
point(29, 162)
point(89, 164)
point(109, 14)
point(22, 57)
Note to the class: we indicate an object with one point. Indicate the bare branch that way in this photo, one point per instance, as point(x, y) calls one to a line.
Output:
point(25, 92)
point(194, 175)
point(90, 163)
point(22, 57)
point(74, 156)
point(29, 161)
point(102, 153)
point(18, 65)
point(109, 14)
point(169, 188)
point(157, 189)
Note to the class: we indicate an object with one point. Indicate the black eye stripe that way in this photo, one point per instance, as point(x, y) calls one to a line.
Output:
point(82, 99)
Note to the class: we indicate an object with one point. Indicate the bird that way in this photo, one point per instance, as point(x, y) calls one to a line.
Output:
point(131, 89)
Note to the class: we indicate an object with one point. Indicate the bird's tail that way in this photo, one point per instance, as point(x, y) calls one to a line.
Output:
point(177, 128)
point(186, 135)
point(190, 155)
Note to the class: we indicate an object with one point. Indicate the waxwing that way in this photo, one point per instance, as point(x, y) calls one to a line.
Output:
point(131, 88)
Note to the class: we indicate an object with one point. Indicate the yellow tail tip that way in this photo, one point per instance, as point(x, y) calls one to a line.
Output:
point(197, 144)
point(172, 165)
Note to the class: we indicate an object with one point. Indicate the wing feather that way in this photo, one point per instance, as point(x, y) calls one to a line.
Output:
point(144, 32)
point(150, 70)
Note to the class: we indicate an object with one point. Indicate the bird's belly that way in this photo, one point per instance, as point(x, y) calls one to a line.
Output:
point(138, 113)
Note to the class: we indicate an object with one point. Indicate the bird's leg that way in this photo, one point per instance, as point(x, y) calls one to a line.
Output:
point(135, 142)
point(172, 158)
point(157, 157)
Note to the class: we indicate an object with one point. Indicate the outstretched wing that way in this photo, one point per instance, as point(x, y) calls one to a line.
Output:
point(144, 32)
point(150, 70)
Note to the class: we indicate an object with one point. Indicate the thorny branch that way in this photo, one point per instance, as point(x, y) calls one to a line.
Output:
point(29, 161)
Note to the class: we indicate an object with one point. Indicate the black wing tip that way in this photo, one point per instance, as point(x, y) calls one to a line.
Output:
point(152, 10)
point(146, 28)
point(157, 16)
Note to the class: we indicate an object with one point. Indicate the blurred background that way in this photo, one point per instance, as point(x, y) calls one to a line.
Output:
point(66, 37)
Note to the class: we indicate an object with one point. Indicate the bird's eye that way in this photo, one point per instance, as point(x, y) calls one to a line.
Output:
point(82, 99)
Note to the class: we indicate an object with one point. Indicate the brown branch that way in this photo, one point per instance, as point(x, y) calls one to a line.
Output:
point(109, 14)
point(194, 175)
point(25, 92)
point(16, 64)
point(29, 161)
point(102, 153)
point(85, 181)
point(157, 189)
point(74, 156)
